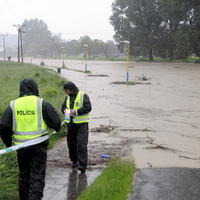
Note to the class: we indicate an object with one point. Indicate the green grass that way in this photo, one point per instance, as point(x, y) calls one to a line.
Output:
point(189, 59)
point(8, 176)
point(114, 183)
point(193, 59)
point(50, 88)
point(118, 59)
point(50, 84)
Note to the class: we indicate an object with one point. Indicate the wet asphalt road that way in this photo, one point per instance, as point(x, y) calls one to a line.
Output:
point(150, 184)
point(167, 184)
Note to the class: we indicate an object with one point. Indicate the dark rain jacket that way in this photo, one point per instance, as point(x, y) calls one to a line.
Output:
point(50, 115)
point(87, 107)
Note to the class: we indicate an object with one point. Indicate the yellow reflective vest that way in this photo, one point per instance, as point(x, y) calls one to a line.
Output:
point(78, 103)
point(28, 122)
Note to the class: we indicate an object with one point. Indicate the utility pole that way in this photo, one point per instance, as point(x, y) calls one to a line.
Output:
point(19, 46)
point(127, 45)
point(85, 55)
point(4, 45)
point(20, 31)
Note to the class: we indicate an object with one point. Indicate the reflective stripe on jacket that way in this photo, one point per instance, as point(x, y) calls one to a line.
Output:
point(78, 103)
point(28, 122)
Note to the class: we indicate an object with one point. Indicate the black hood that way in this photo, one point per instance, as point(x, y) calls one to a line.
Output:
point(71, 86)
point(28, 87)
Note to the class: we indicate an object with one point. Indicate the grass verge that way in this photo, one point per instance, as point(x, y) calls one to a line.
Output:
point(114, 183)
point(76, 70)
point(50, 88)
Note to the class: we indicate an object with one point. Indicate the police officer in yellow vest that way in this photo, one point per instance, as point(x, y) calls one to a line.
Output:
point(27, 118)
point(77, 105)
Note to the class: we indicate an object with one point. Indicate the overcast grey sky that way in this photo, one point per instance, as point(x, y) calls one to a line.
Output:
point(71, 18)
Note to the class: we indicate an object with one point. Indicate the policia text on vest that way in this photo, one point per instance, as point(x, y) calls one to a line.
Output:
point(25, 112)
point(28, 122)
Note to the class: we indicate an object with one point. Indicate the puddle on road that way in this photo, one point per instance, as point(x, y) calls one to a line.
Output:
point(67, 184)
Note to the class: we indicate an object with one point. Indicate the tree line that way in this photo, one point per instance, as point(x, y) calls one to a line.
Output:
point(38, 41)
point(169, 29)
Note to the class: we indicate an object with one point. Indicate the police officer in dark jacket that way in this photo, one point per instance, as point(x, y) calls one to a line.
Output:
point(27, 118)
point(77, 105)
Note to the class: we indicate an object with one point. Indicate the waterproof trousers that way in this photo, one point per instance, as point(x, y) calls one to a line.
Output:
point(32, 168)
point(77, 140)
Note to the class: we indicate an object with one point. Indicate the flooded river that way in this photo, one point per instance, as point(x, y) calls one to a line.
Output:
point(161, 119)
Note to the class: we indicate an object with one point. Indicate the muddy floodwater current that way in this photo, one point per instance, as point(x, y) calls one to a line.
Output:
point(155, 124)
point(160, 120)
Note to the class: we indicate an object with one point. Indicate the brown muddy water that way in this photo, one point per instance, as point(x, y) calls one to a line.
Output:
point(167, 110)
point(155, 124)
